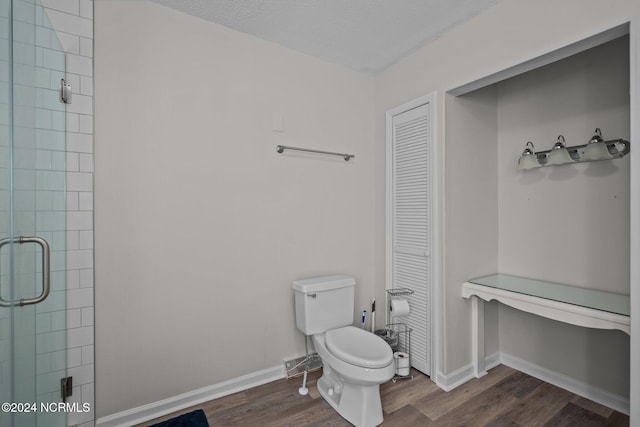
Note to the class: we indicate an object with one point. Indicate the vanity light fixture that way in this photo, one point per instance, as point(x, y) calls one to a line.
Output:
point(596, 149)
point(559, 154)
point(529, 159)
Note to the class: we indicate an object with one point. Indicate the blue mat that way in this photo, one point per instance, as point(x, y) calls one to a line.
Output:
point(191, 419)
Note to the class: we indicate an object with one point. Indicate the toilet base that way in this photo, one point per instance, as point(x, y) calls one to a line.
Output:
point(357, 403)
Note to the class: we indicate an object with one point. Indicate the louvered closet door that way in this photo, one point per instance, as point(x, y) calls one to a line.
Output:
point(410, 231)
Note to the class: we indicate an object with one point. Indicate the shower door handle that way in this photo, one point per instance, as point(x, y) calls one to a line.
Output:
point(46, 276)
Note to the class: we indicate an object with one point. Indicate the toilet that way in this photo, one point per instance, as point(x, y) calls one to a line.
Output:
point(355, 362)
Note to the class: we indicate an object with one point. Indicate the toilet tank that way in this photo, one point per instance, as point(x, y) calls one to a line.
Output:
point(324, 303)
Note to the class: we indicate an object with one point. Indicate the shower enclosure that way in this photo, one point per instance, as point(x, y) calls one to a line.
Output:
point(32, 218)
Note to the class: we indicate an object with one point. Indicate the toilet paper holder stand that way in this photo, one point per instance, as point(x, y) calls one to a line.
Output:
point(402, 355)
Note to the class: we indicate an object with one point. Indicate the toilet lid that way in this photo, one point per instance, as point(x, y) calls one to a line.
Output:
point(358, 347)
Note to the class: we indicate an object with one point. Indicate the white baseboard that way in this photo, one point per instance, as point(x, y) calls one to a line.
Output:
point(613, 401)
point(166, 406)
point(448, 382)
point(460, 376)
point(492, 360)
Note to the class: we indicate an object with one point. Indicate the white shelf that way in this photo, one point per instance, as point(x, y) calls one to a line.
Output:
point(588, 298)
point(569, 304)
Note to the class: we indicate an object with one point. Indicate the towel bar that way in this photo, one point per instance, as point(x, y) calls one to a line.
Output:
point(280, 149)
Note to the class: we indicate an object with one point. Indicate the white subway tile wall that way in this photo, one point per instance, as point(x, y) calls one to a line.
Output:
point(72, 21)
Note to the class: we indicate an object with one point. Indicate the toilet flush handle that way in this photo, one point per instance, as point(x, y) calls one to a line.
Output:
point(313, 295)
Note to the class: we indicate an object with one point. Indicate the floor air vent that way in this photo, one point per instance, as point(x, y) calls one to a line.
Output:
point(295, 367)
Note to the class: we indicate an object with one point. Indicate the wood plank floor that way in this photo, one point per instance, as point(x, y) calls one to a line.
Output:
point(504, 397)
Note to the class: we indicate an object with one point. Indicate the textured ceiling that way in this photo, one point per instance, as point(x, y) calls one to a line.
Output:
point(365, 35)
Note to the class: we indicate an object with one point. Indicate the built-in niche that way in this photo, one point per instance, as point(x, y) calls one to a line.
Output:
point(566, 224)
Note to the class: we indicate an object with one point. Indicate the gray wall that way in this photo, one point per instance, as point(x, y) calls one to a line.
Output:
point(471, 210)
point(567, 224)
point(201, 226)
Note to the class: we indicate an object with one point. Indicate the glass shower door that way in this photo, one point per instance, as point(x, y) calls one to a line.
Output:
point(32, 218)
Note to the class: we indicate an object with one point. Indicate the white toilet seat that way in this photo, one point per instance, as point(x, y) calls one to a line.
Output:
point(358, 347)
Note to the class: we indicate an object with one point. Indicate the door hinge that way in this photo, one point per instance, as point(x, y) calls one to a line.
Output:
point(65, 91)
point(66, 388)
